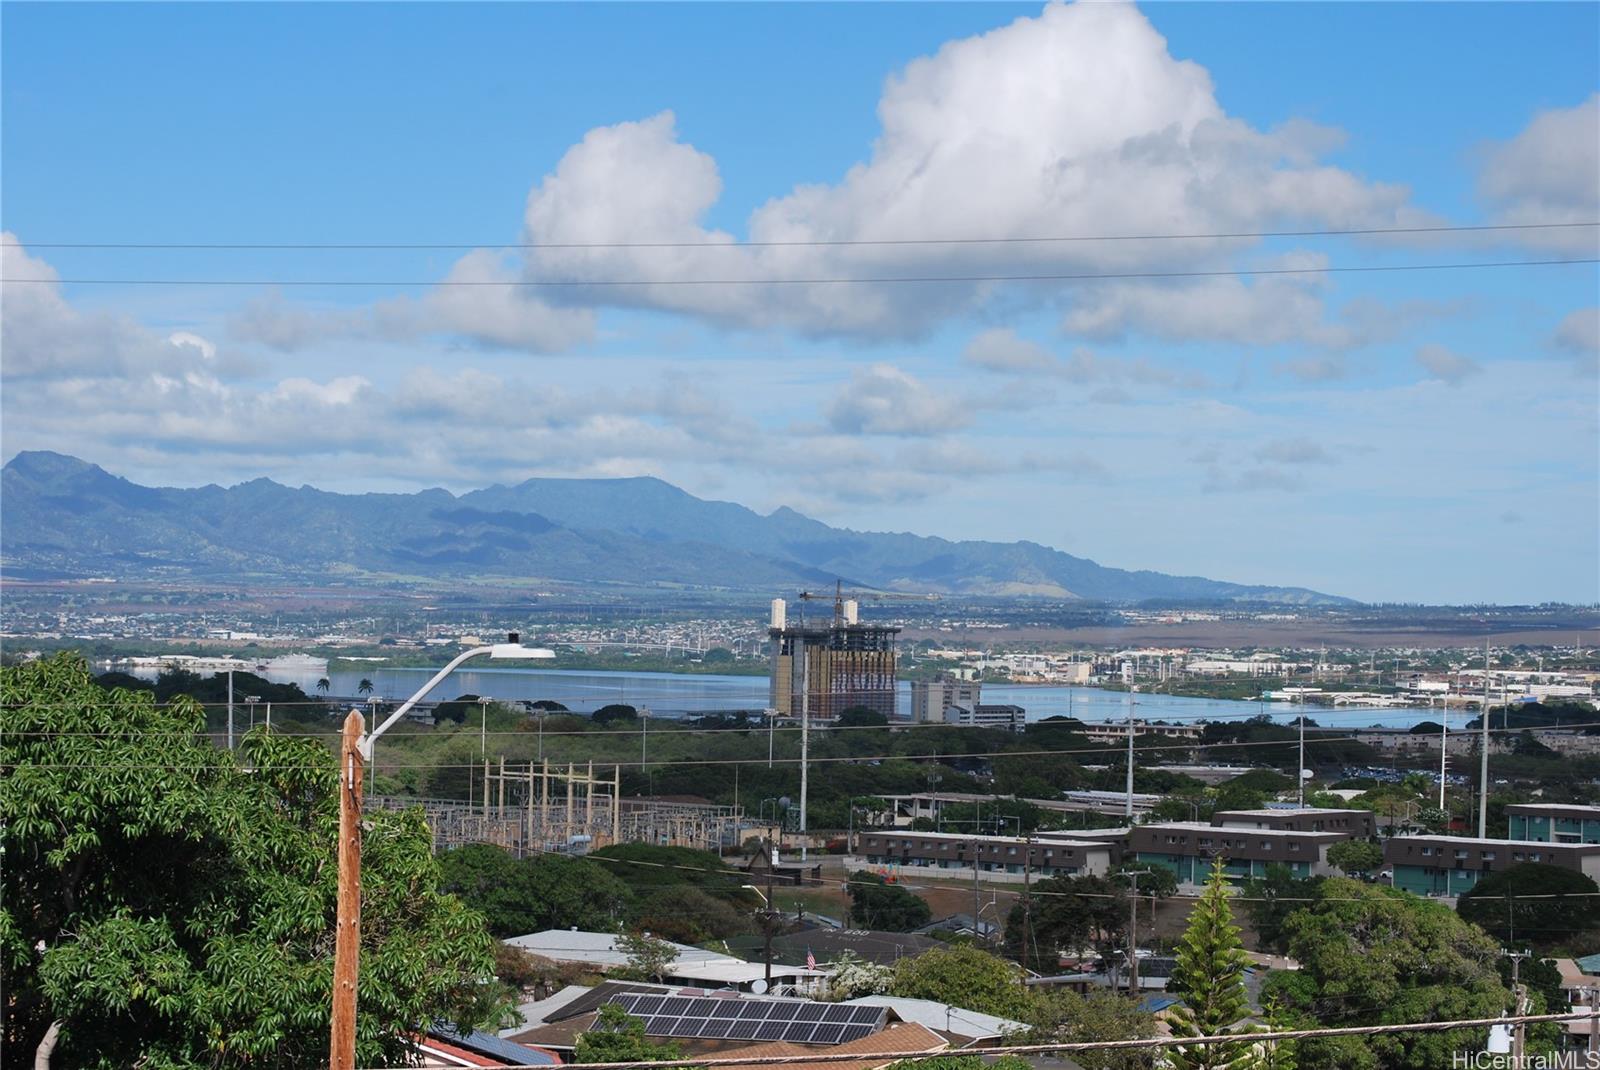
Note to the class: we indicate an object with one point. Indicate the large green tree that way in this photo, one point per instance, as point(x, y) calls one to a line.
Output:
point(1355, 857)
point(964, 977)
point(1209, 979)
point(547, 891)
point(877, 904)
point(1372, 955)
point(1066, 915)
point(1532, 904)
point(169, 904)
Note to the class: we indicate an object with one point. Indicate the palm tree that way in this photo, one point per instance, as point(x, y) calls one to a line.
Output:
point(323, 685)
point(364, 687)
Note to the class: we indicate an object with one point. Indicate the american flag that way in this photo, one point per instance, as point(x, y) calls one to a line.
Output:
point(811, 960)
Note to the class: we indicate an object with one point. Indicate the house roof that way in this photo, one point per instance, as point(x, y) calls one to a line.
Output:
point(869, 944)
point(600, 950)
point(498, 1051)
point(540, 1011)
point(943, 1017)
point(899, 1037)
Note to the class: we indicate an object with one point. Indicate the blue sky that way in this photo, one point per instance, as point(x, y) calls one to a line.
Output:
point(1426, 436)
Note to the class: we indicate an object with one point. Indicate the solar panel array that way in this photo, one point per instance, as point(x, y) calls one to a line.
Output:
point(731, 1018)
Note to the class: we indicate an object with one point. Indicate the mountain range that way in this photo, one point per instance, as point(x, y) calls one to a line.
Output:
point(63, 517)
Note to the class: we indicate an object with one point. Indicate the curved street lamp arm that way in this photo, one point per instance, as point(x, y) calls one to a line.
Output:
point(405, 707)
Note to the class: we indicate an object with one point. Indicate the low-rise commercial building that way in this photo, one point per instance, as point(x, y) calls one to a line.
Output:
point(1450, 865)
point(1554, 822)
point(1188, 848)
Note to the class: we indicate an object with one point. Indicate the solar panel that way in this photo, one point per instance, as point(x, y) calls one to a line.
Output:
point(838, 1013)
point(854, 1032)
point(743, 1029)
point(647, 1004)
point(702, 1008)
point(779, 1011)
point(752, 1009)
point(661, 1027)
point(827, 1034)
point(725, 1008)
point(688, 1027)
point(716, 1028)
point(799, 1032)
point(771, 1031)
point(866, 1016)
point(676, 1005)
point(810, 1012)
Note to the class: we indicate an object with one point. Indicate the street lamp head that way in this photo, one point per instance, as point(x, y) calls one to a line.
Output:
point(517, 650)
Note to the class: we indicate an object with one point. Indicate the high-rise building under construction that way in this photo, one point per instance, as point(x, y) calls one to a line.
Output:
point(838, 663)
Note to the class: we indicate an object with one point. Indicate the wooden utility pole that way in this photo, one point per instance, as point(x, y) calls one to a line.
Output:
point(1133, 931)
point(347, 935)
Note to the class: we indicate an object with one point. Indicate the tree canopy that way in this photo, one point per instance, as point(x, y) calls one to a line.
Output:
point(167, 907)
point(1372, 955)
point(615, 711)
point(525, 895)
point(1353, 857)
point(1532, 904)
point(966, 977)
point(876, 904)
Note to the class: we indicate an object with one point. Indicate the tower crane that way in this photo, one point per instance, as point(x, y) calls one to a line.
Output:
point(861, 594)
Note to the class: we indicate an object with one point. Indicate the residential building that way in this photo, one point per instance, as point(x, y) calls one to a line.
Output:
point(1450, 865)
point(931, 698)
point(1355, 823)
point(997, 858)
point(1554, 822)
point(693, 966)
point(1013, 718)
point(1188, 849)
point(1117, 731)
point(904, 809)
point(723, 1023)
point(825, 669)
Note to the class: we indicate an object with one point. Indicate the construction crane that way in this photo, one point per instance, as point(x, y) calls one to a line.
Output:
point(839, 594)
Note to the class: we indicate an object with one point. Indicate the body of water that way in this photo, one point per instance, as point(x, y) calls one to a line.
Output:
point(680, 694)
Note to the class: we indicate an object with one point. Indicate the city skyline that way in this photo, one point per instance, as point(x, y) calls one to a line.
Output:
point(1394, 435)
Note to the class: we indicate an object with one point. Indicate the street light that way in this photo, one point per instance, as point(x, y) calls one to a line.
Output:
point(512, 648)
point(355, 757)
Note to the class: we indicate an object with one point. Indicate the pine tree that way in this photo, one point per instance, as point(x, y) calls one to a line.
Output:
point(1209, 978)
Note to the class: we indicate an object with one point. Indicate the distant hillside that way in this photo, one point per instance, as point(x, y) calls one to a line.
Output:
point(66, 517)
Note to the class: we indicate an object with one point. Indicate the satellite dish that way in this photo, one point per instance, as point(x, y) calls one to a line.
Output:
point(784, 802)
point(758, 986)
point(1306, 774)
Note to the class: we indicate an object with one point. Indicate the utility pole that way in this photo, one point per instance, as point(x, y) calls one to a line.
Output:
point(230, 709)
point(1300, 771)
point(1128, 673)
point(1483, 745)
point(805, 741)
point(1444, 749)
point(1133, 931)
point(347, 935)
point(1027, 904)
point(1594, 1022)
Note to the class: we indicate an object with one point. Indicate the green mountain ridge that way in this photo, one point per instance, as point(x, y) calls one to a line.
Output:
point(66, 517)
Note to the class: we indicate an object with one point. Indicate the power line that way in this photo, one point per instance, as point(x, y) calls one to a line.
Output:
point(1068, 1047)
point(1097, 751)
point(810, 242)
point(819, 280)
